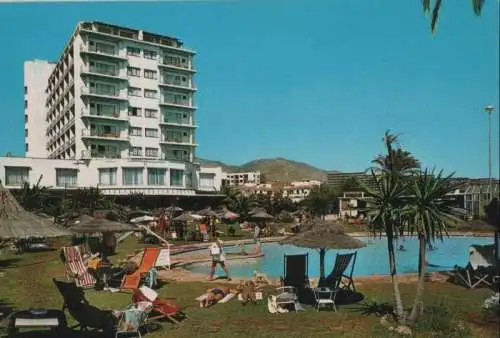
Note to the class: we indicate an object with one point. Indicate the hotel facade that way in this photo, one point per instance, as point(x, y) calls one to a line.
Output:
point(117, 110)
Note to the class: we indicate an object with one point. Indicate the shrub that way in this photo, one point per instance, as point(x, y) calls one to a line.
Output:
point(441, 320)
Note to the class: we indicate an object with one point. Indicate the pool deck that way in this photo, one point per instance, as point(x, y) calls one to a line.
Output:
point(185, 255)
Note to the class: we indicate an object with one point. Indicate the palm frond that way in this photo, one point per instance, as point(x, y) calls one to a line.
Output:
point(477, 6)
point(435, 14)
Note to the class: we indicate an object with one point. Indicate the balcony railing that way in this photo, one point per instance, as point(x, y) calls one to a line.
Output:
point(176, 63)
point(176, 140)
point(177, 83)
point(101, 50)
point(87, 154)
point(115, 115)
point(95, 91)
point(103, 133)
point(177, 102)
point(106, 72)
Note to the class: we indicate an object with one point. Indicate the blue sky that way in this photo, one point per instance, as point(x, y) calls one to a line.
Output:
point(317, 81)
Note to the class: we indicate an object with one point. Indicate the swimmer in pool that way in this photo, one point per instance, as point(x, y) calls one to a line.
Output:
point(402, 248)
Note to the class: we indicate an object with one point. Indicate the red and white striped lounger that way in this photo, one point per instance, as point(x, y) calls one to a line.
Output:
point(76, 268)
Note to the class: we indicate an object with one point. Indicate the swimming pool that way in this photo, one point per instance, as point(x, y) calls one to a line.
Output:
point(372, 260)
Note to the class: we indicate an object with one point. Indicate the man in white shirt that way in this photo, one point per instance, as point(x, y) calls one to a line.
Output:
point(218, 257)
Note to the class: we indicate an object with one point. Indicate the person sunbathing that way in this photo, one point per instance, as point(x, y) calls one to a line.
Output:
point(214, 295)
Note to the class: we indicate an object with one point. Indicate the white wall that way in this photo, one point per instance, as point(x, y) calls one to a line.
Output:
point(207, 173)
point(36, 75)
point(88, 174)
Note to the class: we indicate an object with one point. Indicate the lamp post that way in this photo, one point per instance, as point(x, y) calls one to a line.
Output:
point(489, 110)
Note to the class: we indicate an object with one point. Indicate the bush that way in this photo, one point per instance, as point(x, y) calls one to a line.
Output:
point(440, 320)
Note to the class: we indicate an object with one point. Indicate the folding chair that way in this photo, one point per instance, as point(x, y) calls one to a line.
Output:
point(338, 279)
point(75, 267)
point(480, 268)
point(148, 261)
point(296, 271)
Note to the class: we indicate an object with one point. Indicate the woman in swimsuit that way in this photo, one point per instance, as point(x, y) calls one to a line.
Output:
point(214, 295)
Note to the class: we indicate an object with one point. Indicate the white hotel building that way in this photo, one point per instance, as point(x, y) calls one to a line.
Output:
point(117, 111)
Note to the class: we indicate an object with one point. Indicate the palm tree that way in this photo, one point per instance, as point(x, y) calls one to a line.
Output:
point(321, 200)
point(401, 160)
point(428, 212)
point(384, 214)
point(477, 6)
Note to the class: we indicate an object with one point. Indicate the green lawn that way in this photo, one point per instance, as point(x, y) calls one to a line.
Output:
point(26, 282)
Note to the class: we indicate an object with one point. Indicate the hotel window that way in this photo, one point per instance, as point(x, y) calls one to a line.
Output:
point(150, 54)
point(133, 71)
point(107, 176)
point(134, 111)
point(25, 118)
point(135, 131)
point(176, 178)
point(25, 132)
point(66, 177)
point(16, 175)
point(150, 132)
point(133, 51)
point(151, 113)
point(150, 74)
point(151, 152)
point(133, 91)
point(132, 176)
point(26, 147)
point(25, 104)
point(150, 94)
point(189, 180)
point(135, 151)
point(25, 90)
point(156, 176)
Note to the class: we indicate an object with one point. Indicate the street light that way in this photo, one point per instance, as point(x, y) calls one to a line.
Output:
point(489, 110)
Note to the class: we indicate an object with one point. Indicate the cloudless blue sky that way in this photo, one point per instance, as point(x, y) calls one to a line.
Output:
point(317, 81)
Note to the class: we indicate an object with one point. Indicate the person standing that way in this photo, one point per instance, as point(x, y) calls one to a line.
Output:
point(218, 258)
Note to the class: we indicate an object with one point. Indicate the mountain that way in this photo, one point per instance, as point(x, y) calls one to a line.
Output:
point(279, 169)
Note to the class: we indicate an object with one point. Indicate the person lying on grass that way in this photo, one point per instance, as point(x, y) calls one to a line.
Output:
point(214, 295)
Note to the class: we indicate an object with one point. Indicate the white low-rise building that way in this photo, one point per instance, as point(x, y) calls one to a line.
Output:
point(299, 190)
point(112, 176)
point(232, 179)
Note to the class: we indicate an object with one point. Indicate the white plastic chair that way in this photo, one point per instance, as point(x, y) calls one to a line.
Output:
point(325, 297)
point(287, 295)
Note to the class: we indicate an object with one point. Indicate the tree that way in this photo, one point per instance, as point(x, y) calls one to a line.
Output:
point(321, 200)
point(401, 160)
point(477, 6)
point(428, 212)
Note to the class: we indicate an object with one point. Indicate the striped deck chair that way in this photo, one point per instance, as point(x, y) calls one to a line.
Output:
point(338, 278)
point(131, 282)
point(76, 268)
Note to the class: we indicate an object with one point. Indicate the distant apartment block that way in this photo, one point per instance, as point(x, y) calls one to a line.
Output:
point(233, 179)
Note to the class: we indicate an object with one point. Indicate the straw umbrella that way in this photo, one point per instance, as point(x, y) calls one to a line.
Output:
point(17, 223)
point(260, 216)
point(324, 236)
point(207, 212)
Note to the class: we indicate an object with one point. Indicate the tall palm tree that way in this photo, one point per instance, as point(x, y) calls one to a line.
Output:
point(401, 160)
point(428, 212)
point(477, 6)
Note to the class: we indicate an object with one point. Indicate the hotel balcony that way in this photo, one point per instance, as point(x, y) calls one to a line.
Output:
point(177, 85)
point(105, 135)
point(115, 74)
point(183, 141)
point(104, 94)
point(178, 123)
point(176, 65)
point(116, 116)
point(112, 53)
point(88, 154)
point(177, 103)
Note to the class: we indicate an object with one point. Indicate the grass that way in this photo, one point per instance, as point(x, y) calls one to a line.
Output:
point(26, 283)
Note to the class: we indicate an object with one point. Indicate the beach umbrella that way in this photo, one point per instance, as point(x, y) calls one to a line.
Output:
point(17, 223)
point(261, 216)
point(188, 217)
point(173, 208)
point(88, 224)
point(226, 214)
point(137, 213)
point(207, 212)
point(324, 236)
point(142, 219)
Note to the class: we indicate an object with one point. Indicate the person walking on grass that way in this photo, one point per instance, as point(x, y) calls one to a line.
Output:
point(218, 258)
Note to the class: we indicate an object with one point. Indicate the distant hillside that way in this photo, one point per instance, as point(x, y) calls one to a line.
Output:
point(279, 169)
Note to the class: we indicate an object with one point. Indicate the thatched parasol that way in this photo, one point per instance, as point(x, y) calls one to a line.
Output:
point(324, 236)
point(173, 208)
point(87, 224)
point(260, 216)
point(16, 222)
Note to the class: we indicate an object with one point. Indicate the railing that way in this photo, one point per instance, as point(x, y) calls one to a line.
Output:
point(95, 91)
point(176, 122)
point(96, 70)
point(177, 64)
point(100, 50)
point(180, 140)
point(99, 154)
point(114, 115)
point(177, 83)
point(102, 133)
point(177, 102)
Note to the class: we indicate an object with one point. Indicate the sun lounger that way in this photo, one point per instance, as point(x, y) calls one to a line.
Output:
point(132, 281)
point(163, 308)
point(75, 267)
point(480, 268)
point(338, 278)
point(296, 271)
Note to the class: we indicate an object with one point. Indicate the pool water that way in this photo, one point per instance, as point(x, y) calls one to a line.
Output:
point(371, 260)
